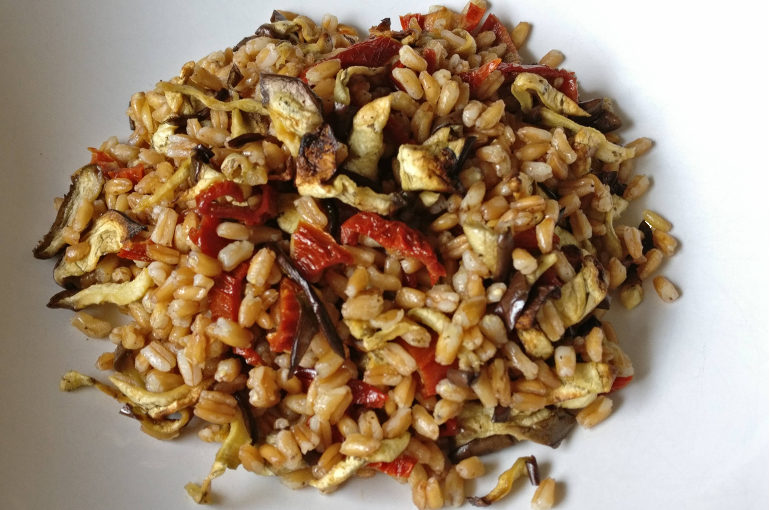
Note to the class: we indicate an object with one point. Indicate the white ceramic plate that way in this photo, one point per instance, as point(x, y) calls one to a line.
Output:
point(689, 433)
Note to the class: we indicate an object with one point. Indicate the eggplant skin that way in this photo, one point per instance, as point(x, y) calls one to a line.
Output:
point(107, 235)
point(87, 183)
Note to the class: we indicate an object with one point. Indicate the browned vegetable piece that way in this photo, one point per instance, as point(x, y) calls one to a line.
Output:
point(317, 159)
point(602, 115)
point(107, 235)
point(430, 166)
point(482, 446)
point(86, 186)
point(512, 304)
point(116, 293)
point(505, 482)
point(293, 108)
point(546, 426)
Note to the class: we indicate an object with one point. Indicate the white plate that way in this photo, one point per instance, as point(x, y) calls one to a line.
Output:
point(689, 433)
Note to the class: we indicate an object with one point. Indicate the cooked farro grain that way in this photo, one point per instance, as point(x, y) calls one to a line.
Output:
point(461, 284)
point(665, 289)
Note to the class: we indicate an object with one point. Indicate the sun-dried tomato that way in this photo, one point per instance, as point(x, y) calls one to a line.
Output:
point(226, 294)
point(393, 236)
point(472, 17)
point(288, 305)
point(208, 203)
point(367, 395)
point(313, 250)
point(135, 250)
point(407, 18)
point(429, 370)
point(206, 238)
point(476, 77)
point(249, 355)
point(373, 52)
point(401, 467)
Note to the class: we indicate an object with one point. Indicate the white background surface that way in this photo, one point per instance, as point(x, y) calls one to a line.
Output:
point(691, 432)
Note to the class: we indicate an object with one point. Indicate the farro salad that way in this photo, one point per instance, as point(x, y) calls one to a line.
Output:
point(339, 255)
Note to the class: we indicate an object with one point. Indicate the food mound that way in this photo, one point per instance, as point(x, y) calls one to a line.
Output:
point(342, 255)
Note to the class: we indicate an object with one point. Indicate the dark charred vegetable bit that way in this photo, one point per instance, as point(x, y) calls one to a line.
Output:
point(476, 77)
point(502, 37)
point(513, 301)
point(324, 321)
point(180, 121)
point(305, 375)
point(332, 211)
point(602, 115)
point(293, 107)
point(647, 243)
point(242, 397)
point(574, 256)
point(205, 236)
point(208, 203)
point(482, 446)
point(583, 327)
point(504, 482)
point(569, 85)
point(501, 414)
point(367, 395)
point(505, 245)
point(429, 370)
point(532, 471)
point(86, 186)
point(107, 235)
point(431, 59)
point(123, 359)
point(611, 179)
point(313, 250)
point(394, 236)
point(317, 159)
point(545, 287)
point(373, 52)
point(459, 377)
point(399, 468)
point(307, 325)
point(241, 140)
point(226, 294)
point(289, 312)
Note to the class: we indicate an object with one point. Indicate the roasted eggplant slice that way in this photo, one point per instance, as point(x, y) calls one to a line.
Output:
point(86, 186)
point(430, 166)
point(589, 379)
point(583, 293)
point(116, 293)
point(545, 426)
point(107, 235)
point(317, 159)
point(293, 108)
point(344, 189)
point(366, 139)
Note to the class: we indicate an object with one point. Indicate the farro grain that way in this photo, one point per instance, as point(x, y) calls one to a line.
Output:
point(665, 289)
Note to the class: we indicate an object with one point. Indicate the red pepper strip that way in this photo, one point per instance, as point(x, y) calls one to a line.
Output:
point(476, 77)
point(226, 294)
point(314, 250)
point(249, 355)
point(527, 240)
point(407, 18)
point(620, 382)
point(373, 52)
point(430, 371)
point(111, 169)
point(288, 304)
point(367, 395)
point(568, 87)
point(449, 428)
point(206, 238)
point(472, 18)
point(135, 250)
point(208, 205)
point(401, 467)
point(393, 236)
point(430, 57)
point(501, 33)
